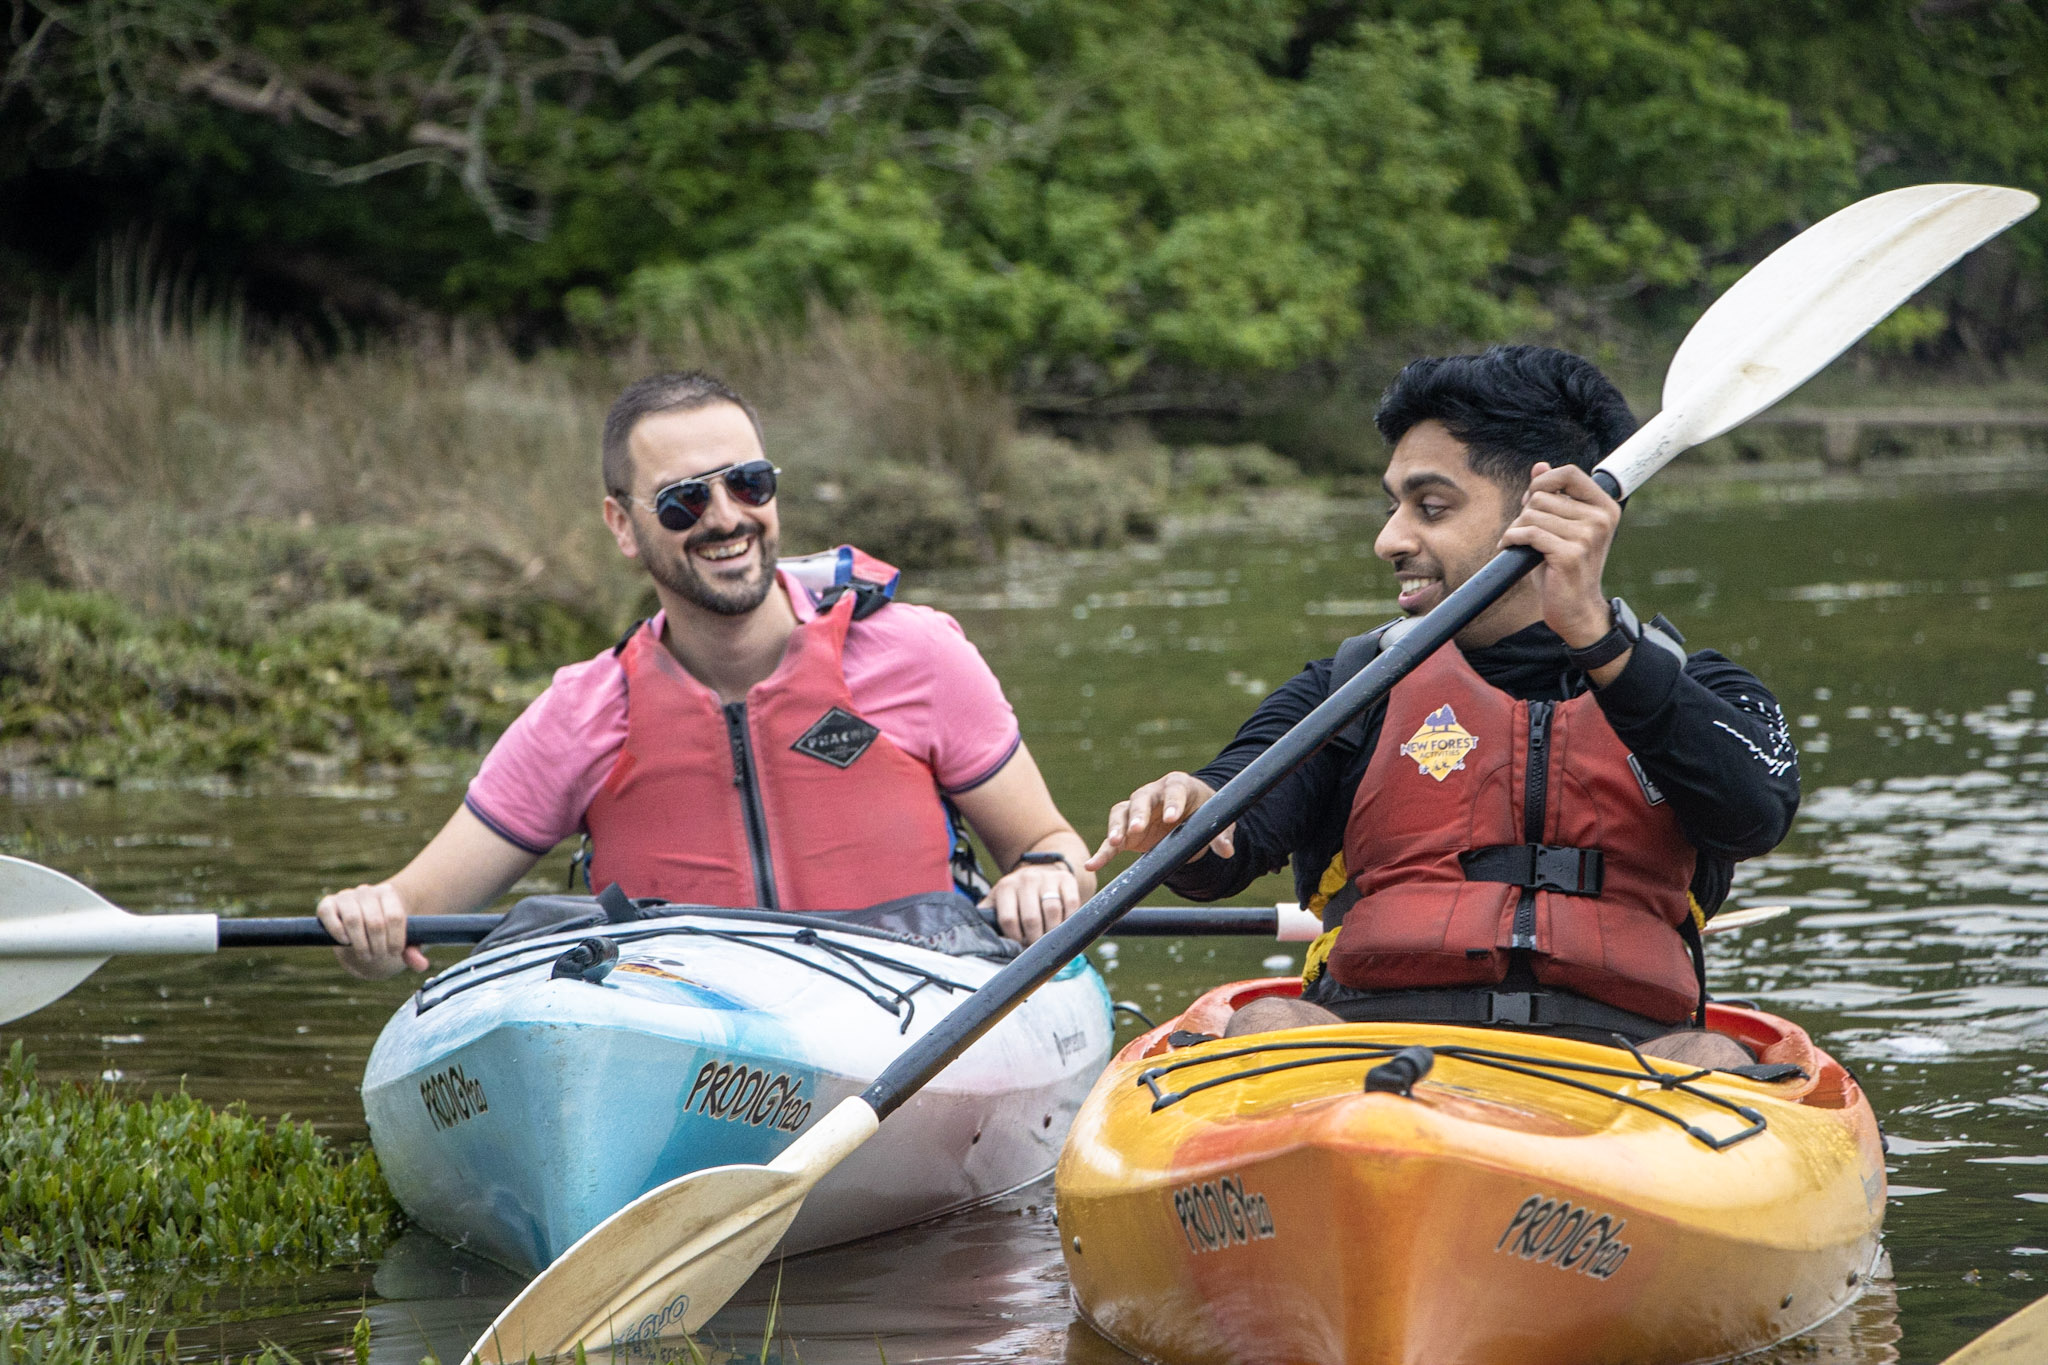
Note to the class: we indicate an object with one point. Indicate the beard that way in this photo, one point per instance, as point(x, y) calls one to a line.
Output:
point(674, 567)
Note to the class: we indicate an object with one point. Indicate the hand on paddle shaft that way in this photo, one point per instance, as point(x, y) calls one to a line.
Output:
point(369, 924)
point(1032, 898)
point(1570, 520)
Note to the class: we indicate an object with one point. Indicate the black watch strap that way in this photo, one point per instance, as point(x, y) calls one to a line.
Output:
point(1619, 639)
point(1046, 857)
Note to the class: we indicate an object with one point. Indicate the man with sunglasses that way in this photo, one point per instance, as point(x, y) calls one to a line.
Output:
point(761, 741)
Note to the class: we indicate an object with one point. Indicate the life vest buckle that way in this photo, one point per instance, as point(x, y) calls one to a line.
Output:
point(1538, 867)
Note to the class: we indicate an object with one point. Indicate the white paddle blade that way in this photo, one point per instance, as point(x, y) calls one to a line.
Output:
point(30, 891)
point(662, 1265)
point(55, 932)
point(1805, 304)
point(27, 986)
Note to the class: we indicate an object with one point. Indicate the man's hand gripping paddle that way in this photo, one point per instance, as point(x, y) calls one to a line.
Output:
point(666, 1262)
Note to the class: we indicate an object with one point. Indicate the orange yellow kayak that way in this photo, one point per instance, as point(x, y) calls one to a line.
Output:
point(1528, 1199)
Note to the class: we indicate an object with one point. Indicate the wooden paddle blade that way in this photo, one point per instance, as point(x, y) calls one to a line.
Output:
point(2021, 1339)
point(662, 1265)
point(1743, 918)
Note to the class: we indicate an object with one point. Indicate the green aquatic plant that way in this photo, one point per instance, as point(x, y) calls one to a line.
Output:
point(89, 1176)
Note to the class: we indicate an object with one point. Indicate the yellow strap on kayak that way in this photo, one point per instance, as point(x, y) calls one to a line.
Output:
point(1699, 916)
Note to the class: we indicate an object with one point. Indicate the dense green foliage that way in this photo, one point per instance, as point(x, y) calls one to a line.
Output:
point(88, 1174)
point(1078, 194)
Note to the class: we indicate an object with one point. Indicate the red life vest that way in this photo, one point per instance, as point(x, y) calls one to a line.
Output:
point(1462, 766)
point(788, 800)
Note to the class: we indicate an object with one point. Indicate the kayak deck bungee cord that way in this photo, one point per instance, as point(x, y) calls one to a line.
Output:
point(1557, 1069)
point(898, 1001)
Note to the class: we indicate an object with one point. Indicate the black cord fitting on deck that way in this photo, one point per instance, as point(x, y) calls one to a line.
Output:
point(1398, 1074)
point(590, 959)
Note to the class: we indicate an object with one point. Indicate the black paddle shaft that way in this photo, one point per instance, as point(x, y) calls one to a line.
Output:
point(307, 932)
point(1032, 968)
point(1166, 921)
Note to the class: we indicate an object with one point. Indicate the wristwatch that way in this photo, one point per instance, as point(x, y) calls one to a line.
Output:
point(1621, 637)
point(1045, 857)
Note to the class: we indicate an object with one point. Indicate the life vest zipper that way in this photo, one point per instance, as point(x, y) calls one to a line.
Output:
point(1535, 790)
point(750, 804)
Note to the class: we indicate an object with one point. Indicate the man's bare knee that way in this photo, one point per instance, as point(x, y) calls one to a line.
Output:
point(1274, 1012)
point(1698, 1047)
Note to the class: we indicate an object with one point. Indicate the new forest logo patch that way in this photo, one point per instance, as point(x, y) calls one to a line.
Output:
point(1440, 746)
point(838, 738)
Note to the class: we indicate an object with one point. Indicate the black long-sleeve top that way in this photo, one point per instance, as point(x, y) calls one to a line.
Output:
point(1709, 737)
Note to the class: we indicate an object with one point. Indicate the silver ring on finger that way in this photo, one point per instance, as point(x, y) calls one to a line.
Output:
point(1049, 897)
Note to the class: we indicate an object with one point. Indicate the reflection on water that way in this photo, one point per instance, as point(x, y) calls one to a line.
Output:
point(1905, 639)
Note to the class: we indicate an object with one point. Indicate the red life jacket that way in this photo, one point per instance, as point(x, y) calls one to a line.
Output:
point(788, 800)
point(1467, 777)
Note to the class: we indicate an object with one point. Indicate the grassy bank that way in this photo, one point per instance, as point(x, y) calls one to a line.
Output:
point(226, 555)
point(222, 555)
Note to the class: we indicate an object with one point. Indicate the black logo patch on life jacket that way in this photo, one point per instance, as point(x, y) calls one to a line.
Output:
point(838, 738)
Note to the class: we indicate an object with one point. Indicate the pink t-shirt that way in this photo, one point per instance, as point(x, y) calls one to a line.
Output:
point(911, 670)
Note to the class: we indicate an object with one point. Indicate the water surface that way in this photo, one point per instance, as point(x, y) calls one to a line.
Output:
point(1905, 638)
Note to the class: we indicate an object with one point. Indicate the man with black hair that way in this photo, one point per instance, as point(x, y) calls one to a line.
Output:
point(1532, 828)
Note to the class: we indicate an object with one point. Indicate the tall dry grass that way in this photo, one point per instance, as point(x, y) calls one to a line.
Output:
point(222, 550)
point(131, 436)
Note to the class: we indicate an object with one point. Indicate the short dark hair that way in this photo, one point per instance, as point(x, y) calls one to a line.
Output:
point(670, 391)
point(1511, 406)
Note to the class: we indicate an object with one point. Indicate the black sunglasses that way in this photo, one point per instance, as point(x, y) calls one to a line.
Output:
point(678, 505)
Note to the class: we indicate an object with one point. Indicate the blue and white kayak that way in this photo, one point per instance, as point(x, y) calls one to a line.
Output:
point(515, 1104)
